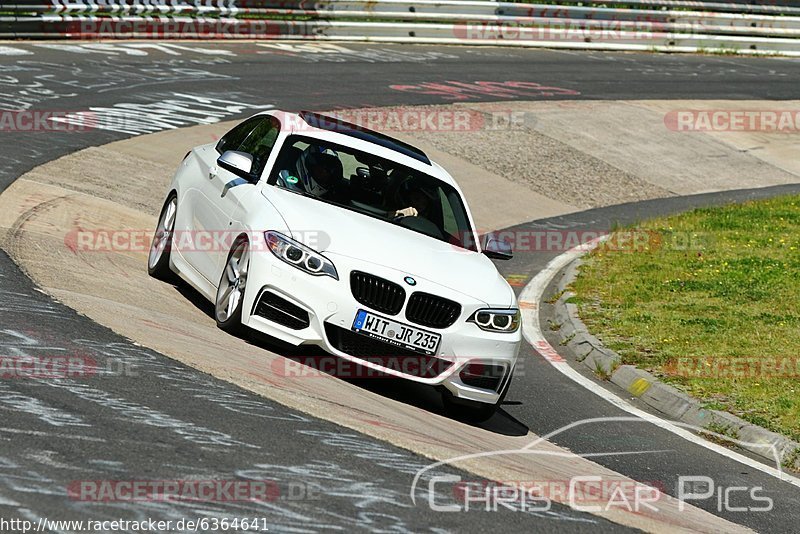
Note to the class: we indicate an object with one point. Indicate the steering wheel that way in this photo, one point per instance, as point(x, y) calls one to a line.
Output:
point(421, 225)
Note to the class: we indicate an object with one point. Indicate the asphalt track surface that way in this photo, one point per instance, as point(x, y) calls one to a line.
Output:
point(166, 421)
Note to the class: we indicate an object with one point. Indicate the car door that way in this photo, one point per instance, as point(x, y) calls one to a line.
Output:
point(200, 214)
point(225, 190)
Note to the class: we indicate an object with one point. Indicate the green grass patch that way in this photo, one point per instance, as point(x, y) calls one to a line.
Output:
point(710, 304)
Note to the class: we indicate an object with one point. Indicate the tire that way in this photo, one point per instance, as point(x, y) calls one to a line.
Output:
point(230, 290)
point(160, 248)
point(470, 411)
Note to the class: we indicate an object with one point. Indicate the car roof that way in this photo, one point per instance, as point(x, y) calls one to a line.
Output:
point(335, 124)
point(361, 139)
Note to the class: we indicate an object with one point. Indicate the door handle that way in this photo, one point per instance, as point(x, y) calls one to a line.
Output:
point(212, 173)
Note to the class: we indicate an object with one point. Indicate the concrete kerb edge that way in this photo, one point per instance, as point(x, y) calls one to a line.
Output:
point(670, 401)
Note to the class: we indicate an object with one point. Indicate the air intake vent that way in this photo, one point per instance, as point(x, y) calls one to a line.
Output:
point(483, 376)
point(279, 310)
point(379, 294)
point(433, 311)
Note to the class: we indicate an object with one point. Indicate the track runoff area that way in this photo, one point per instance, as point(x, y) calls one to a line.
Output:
point(147, 418)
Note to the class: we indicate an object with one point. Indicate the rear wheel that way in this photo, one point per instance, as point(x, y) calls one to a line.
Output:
point(230, 291)
point(158, 259)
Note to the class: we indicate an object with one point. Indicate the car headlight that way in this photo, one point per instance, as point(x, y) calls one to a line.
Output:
point(502, 320)
point(300, 256)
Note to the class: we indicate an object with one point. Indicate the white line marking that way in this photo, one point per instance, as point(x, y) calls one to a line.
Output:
point(49, 434)
point(529, 299)
point(11, 51)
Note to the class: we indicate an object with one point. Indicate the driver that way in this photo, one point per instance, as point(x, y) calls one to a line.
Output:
point(324, 177)
point(414, 194)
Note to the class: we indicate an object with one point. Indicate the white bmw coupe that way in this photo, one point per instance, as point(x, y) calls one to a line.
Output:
point(316, 231)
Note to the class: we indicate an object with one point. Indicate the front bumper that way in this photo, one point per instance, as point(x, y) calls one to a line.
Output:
point(330, 309)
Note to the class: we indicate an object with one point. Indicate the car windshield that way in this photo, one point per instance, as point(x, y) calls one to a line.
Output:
point(373, 186)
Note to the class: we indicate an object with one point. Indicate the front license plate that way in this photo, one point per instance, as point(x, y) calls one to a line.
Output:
point(402, 335)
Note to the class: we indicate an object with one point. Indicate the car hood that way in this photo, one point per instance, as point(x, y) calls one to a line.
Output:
point(339, 231)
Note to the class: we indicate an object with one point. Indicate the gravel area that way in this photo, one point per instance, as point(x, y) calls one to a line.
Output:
point(546, 165)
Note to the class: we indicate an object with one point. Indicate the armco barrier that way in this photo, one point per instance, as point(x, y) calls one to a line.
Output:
point(766, 27)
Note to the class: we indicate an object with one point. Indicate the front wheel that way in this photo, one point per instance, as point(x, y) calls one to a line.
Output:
point(158, 259)
point(230, 291)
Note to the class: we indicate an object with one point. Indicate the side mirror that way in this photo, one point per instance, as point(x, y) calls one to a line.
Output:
point(496, 248)
point(239, 163)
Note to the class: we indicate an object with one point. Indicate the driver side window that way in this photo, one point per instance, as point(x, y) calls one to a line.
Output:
point(234, 138)
point(260, 142)
point(256, 137)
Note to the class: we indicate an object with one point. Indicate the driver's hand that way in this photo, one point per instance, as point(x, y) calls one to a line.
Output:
point(406, 212)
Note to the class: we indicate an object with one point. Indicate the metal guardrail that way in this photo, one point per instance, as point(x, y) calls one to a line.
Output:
point(768, 27)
